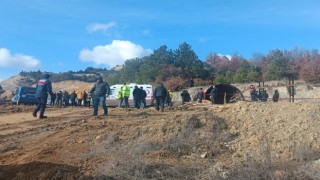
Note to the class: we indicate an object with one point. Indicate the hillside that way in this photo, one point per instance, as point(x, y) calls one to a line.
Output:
point(10, 85)
point(303, 91)
point(13, 82)
point(245, 140)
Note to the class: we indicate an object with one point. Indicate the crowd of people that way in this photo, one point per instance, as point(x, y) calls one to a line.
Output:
point(79, 98)
point(262, 95)
point(101, 90)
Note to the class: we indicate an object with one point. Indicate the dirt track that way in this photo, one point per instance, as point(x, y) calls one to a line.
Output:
point(194, 142)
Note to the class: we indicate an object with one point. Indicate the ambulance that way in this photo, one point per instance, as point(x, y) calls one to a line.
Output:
point(113, 101)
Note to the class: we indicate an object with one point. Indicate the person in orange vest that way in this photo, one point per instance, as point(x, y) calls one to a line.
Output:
point(79, 97)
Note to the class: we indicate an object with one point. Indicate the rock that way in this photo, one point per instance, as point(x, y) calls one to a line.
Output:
point(98, 137)
point(204, 155)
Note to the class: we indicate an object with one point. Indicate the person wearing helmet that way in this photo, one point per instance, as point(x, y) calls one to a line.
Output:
point(42, 89)
point(99, 92)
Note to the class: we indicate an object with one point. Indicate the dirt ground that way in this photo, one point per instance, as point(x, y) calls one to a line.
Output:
point(244, 140)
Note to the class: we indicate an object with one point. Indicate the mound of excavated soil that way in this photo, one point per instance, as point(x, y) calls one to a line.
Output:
point(242, 140)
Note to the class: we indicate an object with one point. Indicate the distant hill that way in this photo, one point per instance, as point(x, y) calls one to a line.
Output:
point(72, 86)
point(13, 82)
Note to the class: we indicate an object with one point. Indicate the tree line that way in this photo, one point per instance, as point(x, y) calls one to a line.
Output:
point(175, 67)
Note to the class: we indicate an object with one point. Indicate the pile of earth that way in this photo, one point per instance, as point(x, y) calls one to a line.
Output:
point(244, 140)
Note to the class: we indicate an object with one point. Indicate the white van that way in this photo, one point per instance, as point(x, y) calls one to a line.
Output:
point(113, 101)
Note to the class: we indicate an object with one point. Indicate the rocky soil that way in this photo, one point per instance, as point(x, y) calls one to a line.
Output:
point(244, 140)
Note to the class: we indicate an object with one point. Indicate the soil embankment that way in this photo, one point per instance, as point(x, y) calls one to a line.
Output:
point(193, 141)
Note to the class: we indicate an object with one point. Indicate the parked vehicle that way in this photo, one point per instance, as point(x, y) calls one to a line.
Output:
point(25, 95)
point(113, 101)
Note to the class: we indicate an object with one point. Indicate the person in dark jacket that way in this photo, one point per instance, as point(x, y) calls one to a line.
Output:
point(59, 98)
point(253, 93)
point(65, 98)
point(143, 97)
point(53, 99)
point(191, 82)
point(160, 94)
point(213, 93)
point(42, 89)
point(137, 96)
point(275, 96)
point(185, 96)
point(264, 96)
point(85, 96)
point(99, 92)
point(73, 97)
point(200, 95)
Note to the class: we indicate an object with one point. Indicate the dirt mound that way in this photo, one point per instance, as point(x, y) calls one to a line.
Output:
point(242, 140)
point(72, 86)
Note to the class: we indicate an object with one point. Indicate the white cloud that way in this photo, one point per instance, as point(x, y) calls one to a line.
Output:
point(227, 56)
point(17, 60)
point(100, 27)
point(113, 54)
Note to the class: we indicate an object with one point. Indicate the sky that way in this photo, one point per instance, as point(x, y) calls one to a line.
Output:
point(62, 35)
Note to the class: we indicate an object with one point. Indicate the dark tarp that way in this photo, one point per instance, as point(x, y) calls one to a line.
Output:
point(222, 89)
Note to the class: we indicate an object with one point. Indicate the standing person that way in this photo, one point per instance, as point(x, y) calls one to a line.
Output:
point(126, 94)
point(73, 97)
point(191, 82)
point(99, 92)
point(59, 98)
point(85, 95)
point(88, 103)
point(185, 96)
point(160, 94)
point(264, 96)
point(169, 98)
point(53, 98)
point(200, 95)
point(253, 93)
point(213, 93)
point(275, 96)
point(119, 96)
point(42, 89)
point(65, 99)
point(137, 96)
point(143, 97)
point(80, 97)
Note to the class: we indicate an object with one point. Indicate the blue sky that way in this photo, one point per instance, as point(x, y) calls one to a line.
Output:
point(62, 35)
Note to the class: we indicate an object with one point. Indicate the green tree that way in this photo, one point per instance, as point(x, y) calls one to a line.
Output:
point(246, 73)
point(152, 65)
point(278, 65)
point(226, 77)
point(131, 67)
point(242, 72)
point(186, 58)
